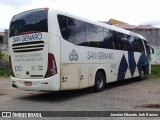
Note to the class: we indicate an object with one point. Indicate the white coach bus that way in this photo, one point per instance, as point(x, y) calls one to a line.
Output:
point(52, 50)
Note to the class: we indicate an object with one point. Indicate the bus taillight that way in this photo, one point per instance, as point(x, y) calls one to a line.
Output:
point(10, 67)
point(46, 8)
point(52, 68)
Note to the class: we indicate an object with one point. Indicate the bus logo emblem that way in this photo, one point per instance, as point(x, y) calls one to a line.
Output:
point(73, 56)
point(33, 68)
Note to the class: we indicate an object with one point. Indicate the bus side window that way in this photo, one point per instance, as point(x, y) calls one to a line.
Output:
point(141, 45)
point(77, 32)
point(108, 40)
point(123, 42)
point(130, 45)
point(147, 48)
point(136, 44)
point(94, 35)
point(63, 24)
point(120, 41)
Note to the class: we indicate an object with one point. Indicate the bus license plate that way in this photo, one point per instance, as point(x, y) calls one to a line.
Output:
point(28, 83)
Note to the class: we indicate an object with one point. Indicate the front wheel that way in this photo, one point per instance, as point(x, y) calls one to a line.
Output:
point(100, 82)
point(142, 75)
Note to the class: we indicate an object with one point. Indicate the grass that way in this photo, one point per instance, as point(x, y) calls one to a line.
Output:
point(155, 72)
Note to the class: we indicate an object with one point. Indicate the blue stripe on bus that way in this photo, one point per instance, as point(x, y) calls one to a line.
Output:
point(122, 68)
point(143, 64)
point(132, 62)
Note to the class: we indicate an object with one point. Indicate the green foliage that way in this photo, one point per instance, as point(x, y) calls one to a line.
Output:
point(3, 56)
point(4, 72)
point(155, 72)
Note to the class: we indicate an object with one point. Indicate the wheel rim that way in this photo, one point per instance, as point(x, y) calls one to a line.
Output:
point(100, 82)
point(142, 74)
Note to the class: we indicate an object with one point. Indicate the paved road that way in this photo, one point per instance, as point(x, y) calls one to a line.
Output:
point(122, 96)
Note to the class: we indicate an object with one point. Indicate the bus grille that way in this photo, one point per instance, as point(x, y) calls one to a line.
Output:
point(28, 46)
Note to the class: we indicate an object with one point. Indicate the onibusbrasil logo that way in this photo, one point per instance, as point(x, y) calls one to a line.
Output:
point(73, 56)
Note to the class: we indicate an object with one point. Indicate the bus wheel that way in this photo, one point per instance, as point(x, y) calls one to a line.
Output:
point(100, 82)
point(142, 74)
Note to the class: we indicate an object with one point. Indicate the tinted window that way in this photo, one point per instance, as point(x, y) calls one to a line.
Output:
point(94, 35)
point(87, 34)
point(30, 21)
point(129, 42)
point(120, 41)
point(76, 27)
point(141, 47)
point(77, 31)
point(137, 44)
point(72, 30)
point(108, 41)
point(63, 24)
point(147, 48)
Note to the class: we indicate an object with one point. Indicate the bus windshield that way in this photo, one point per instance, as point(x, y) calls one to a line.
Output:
point(30, 21)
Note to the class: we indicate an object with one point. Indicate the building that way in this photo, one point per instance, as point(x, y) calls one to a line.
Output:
point(152, 34)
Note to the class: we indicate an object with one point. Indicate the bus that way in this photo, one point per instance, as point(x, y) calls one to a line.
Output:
point(51, 50)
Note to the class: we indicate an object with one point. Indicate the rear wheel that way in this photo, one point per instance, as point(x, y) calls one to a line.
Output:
point(100, 82)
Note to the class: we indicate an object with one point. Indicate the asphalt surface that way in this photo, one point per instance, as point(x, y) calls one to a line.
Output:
point(129, 95)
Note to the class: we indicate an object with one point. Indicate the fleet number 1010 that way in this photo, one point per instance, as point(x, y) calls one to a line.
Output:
point(18, 68)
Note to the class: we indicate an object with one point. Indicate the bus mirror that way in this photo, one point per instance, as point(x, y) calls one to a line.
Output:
point(152, 51)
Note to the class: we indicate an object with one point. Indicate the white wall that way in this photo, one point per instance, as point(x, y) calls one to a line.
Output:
point(155, 58)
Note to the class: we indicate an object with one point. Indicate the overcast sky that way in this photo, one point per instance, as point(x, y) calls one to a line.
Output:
point(135, 12)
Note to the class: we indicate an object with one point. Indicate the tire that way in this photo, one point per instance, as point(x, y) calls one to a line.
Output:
point(141, 75)
point(100, 82)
